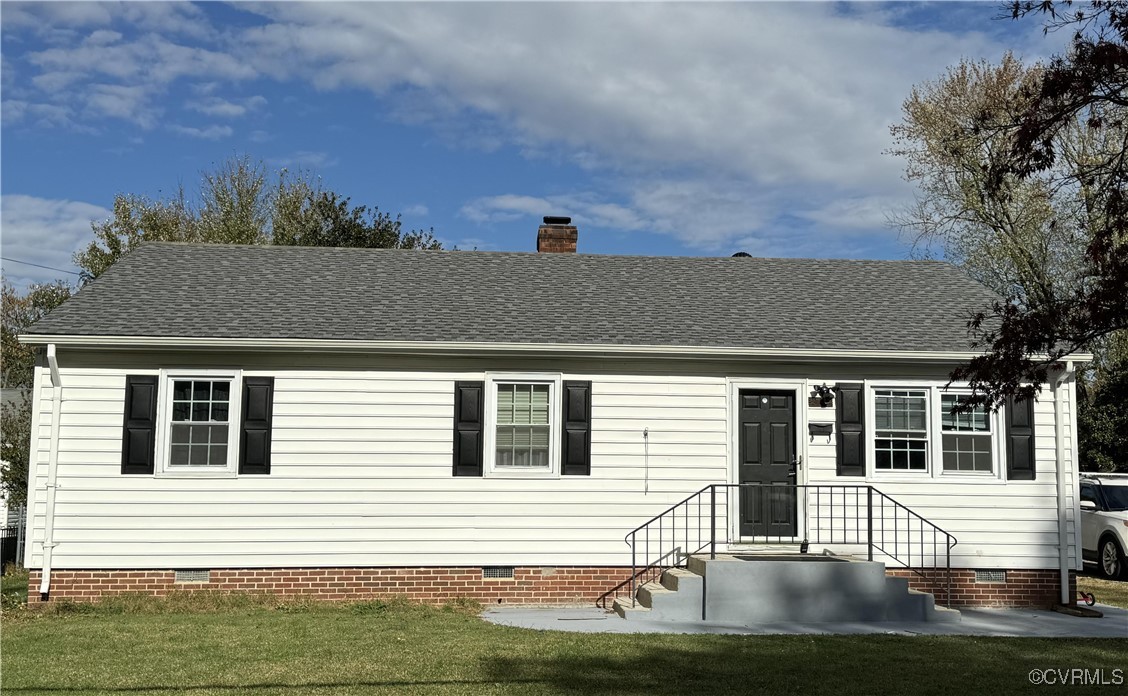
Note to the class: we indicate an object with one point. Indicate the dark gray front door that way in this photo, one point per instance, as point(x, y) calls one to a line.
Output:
point(767, 453)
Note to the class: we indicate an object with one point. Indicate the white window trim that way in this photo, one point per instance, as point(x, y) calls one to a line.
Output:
point(934, 468)
point(998, 443)
point(164, 424)
point(489, 424)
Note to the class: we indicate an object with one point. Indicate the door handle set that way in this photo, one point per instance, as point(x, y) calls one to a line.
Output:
point(796, 465)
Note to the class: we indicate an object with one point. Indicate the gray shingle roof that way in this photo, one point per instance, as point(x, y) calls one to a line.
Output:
point(195, 290)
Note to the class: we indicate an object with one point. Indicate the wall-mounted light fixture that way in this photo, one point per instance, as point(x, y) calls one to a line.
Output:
point(824, 395)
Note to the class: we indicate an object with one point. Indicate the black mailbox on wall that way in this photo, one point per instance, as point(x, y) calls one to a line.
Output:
point(820, 429)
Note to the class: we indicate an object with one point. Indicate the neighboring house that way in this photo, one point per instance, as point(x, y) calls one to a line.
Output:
point(12, 517)
point(350, 422)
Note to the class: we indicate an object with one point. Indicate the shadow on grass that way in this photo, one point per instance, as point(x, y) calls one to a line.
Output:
point(297, 688)
point(775, 665)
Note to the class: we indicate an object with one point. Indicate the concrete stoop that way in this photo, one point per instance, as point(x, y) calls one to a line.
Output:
point(759, 589)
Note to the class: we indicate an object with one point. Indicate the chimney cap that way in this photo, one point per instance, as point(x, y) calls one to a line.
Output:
point(555, 220)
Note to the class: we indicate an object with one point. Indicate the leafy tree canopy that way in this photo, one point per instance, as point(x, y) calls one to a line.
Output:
point(1026, 336)
point(19, 311)
point(242, 202)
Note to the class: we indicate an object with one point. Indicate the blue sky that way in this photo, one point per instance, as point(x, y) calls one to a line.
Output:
point(668, 128)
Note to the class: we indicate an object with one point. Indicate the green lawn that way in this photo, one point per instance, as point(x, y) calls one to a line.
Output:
point(240, 647)
point(1114, 592)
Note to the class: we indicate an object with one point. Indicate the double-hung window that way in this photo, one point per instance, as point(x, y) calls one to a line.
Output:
point(524, 433)
point(901, 430)
point(966, 437)
point(199, 423)
point(915, 432)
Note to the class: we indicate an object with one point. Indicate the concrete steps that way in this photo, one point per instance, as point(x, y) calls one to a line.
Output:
point(774, 588)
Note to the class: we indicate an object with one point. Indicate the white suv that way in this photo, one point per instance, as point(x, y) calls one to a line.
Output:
point(1104, 522)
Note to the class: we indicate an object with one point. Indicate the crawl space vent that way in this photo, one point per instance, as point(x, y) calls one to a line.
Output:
point(990, 576)
point(496, 572)
point(192, 576)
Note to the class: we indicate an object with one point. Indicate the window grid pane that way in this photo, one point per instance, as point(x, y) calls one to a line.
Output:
point(901, 423)
point(967, 452)
point(200, 428)
point(523, 431)
point(975, 421)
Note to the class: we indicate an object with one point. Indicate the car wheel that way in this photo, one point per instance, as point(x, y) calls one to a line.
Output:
point(1111, 559)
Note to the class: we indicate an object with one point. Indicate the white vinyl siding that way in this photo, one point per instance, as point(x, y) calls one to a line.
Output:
point(361, 471)
point(361, 475)
point(998, 523)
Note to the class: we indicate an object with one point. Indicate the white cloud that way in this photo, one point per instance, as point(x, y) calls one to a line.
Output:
point(719, 86)
point(46, 232)
point(710, 123)
point(304, 159)
point(223, 108)
point(417, 210)
point(111, 76)
point(705, 119)
point(212, 132)
point(121, 101)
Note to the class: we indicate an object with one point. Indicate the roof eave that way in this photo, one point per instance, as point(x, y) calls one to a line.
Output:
point(478, 349)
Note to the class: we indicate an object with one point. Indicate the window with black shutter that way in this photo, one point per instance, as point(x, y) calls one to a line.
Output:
point(576, 441)
point(1020, 439)
point(850, 428)
point(469, 409)
point(139, 431)
point(258, 416)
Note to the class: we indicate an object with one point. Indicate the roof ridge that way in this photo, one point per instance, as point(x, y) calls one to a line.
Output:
point(501, 252)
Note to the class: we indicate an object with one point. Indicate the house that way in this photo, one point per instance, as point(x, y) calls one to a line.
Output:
point(355, 422)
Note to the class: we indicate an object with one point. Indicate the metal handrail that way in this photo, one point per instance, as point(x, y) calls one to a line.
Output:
point(841, 522)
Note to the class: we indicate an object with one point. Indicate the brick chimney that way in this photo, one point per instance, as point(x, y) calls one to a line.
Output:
point(557, 236)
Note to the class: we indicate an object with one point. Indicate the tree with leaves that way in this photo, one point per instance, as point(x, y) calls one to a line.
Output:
point(18, 374)
point(326, 219)
point(1020, 238)
point(1021, 176)
point(1026, 338)
point(241, 202)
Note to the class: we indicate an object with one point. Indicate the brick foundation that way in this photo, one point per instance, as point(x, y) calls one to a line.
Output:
point(529, 585)
point(1023, 588)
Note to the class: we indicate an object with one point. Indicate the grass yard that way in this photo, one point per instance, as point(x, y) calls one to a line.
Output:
point(1114, 592)
point(239, 646)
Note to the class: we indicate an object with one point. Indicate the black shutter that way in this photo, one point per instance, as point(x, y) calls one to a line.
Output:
point(469, 405)
point(258, 412)
point(576, 450)
point(850, 416)
point(138, 437)
point(1020, 439)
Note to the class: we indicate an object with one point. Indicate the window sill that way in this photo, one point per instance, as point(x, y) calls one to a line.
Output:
point(520, 474)
point(969, 477)
point(196, 474)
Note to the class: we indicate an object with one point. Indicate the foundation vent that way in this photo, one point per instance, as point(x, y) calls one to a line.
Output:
point(990, 576)
point(192, 576)
point(497, 573)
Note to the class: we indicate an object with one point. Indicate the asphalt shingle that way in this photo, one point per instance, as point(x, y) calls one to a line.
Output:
point(222, 291)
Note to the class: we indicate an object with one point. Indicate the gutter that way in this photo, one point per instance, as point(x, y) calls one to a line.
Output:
point(490, 349)
point(52, 472)
point(1063, 517)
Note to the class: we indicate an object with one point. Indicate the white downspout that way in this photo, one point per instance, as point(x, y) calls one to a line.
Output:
point(52, 471)
point(1063, 519)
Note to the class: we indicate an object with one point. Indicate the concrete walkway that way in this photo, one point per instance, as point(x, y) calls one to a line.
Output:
point(1029, 623)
